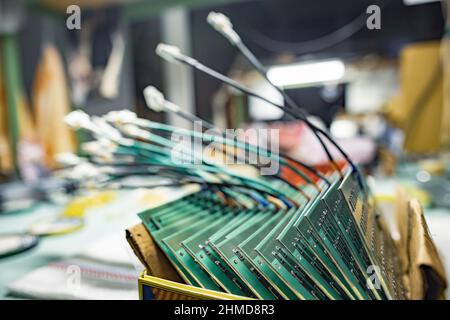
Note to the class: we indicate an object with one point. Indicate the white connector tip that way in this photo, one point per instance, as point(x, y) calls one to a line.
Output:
point(99, 146)
point(223, 25)
point(81, 172)
point(154, 99)
point(168, 52)
point(121, 117)
point(104, 129)
point(77, 119)
point(219, 21)
point(134, 131)
point(67, 159)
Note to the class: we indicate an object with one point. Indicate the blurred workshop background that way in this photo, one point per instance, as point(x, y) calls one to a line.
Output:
point(375, 73)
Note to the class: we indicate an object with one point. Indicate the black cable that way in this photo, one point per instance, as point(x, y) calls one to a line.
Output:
point(314, 45)
point(291, 103)
point(300, 114)
point(223, 25)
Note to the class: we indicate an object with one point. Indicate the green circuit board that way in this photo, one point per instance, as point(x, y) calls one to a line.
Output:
point(321, 249)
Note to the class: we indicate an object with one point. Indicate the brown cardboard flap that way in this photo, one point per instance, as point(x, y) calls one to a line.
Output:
point(427, 279)
point(401, 215)
point(150, 255)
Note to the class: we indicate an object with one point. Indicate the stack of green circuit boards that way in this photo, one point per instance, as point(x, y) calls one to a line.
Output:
point(328, 247)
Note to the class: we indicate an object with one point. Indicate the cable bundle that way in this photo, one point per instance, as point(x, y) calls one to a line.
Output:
point(253, 235)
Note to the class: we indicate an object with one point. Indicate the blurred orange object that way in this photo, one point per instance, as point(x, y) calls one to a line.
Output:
point(51, 104)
